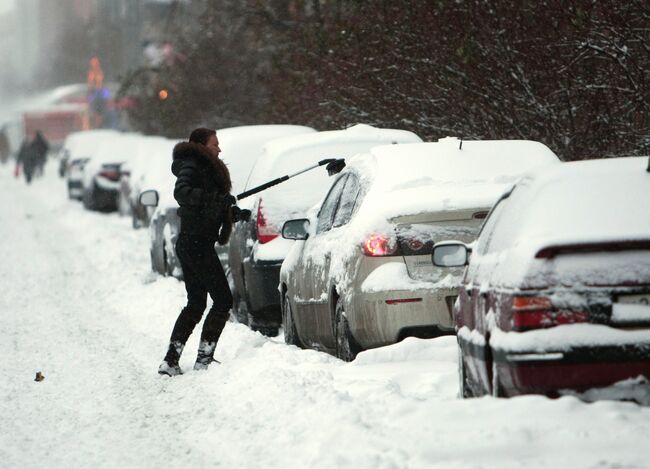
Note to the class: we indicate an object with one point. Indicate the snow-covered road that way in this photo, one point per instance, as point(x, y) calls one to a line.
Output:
point(79, 304)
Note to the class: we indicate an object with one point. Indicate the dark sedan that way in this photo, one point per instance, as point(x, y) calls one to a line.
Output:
point(556, 296)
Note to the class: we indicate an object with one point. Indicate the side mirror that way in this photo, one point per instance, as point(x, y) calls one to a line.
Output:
point(296, 229)
point(450, 254)
point(149, 198)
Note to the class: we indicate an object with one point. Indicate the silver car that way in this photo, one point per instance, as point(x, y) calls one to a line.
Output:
point(361, 274)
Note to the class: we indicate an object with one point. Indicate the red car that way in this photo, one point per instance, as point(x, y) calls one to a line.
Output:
point(556, 296)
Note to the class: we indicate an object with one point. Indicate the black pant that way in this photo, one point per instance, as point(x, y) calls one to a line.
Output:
point(203, 274)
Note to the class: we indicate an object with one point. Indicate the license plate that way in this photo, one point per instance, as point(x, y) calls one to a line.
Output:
point(631, 310)
point(635, 299)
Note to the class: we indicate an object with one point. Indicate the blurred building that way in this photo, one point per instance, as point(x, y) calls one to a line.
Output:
point(117, 31)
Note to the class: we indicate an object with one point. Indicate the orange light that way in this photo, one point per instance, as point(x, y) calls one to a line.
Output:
point(163, 94)
point(379, 245)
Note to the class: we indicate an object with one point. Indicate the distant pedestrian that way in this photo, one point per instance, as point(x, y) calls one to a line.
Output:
point(202, 191)
point(40, 148)
point(5, 148)
point(26, 158)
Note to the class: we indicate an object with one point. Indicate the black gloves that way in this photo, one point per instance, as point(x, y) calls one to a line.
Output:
point(219, 202)
point(238, 214)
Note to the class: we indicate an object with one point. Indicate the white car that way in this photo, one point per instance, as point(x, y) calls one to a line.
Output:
point(77, 150)
point(256, 250)
point(101, 173)
point(149, 169)
point(361, 275)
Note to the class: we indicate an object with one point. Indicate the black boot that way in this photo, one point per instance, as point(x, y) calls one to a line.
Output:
point(205, 356)
point(170, 366)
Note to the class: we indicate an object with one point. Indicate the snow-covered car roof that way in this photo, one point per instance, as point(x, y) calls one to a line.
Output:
point(241, 146)
point(586, 201)
point(563, 209)
point(119, 149)
point(150, 168)
point(115, 150)
point(86, 143)
point(288, 155)
point(445, 175)
point(283, 155)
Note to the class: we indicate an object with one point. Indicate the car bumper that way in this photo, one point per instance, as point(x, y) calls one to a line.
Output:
point(75, 189)
point(381, 318)
point(579, 369)
point(105, 199)
point(262, 280)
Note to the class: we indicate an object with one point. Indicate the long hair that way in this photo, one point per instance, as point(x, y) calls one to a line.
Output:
point(201, 135)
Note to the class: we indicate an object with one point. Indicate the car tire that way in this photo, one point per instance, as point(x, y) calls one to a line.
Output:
point(165, 260)
point(87, 200)
point(497, 390)
point(464, 390)
point(346, 347)
point(290, 332)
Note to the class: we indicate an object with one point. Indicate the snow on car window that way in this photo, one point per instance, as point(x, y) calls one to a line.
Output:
point(348, 201)
point(329, 205)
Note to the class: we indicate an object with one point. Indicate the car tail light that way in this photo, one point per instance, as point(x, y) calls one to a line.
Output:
point(110, 174)
point(377, 245)
point(403, 300)
point(265, 233)
point(535, 312)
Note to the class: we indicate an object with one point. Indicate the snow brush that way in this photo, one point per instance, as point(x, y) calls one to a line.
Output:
point(334, 166)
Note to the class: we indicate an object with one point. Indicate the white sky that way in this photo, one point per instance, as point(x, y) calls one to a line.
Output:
point(6, 5)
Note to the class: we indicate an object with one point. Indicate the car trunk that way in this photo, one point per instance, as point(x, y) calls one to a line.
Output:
point(609, 280)
point(417, 234)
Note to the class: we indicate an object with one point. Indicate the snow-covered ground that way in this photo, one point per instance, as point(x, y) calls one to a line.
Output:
point(79, 304)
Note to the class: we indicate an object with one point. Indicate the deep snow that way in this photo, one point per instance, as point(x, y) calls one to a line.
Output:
point(79, 304)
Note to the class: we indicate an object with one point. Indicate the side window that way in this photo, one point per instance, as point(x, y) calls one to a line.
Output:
point(487, 230)
point(329, 205)
point(500, 229)
point(348, 200)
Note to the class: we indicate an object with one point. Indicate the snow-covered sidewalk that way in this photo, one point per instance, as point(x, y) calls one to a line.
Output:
point(79, 304)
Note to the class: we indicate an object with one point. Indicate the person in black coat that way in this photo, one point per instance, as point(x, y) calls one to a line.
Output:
point(202, 191)
point(27, 157)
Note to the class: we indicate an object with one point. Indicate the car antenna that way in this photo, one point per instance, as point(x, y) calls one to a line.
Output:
point(460, 147)
point(648, 168)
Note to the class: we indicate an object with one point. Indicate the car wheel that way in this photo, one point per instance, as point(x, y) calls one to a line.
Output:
point(165, 261)
point(346, 347)
point(290, 332)
point(87, 200)
point(497, 389)
point(135, 223)
point(464, 389)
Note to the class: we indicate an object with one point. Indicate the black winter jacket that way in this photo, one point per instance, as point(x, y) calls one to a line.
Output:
point(199, 183)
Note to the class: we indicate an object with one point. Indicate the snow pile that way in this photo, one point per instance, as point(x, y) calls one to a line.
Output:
point(566, 337)
point(80, 305)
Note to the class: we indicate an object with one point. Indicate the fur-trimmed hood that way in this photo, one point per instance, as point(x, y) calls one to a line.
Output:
point(187, 151)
